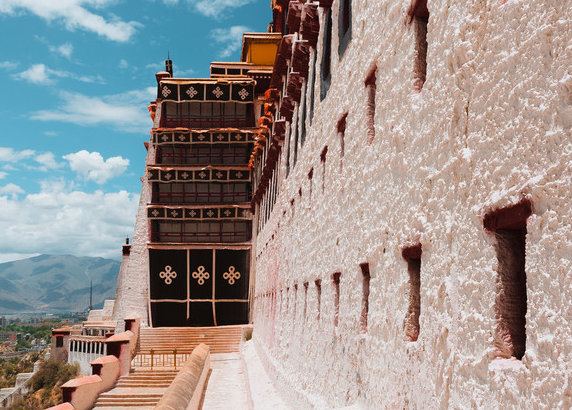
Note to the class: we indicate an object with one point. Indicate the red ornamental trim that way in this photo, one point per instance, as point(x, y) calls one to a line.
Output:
point(412, 252)
point(511, 217)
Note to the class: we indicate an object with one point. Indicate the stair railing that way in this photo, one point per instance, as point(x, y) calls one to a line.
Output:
point(154, 358)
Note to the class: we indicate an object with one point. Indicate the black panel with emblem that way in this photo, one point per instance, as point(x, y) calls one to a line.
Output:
point(168, 274)
point(201, 273)
point(231, 278)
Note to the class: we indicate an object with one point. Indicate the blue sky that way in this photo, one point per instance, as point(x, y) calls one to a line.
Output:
point(76, 79)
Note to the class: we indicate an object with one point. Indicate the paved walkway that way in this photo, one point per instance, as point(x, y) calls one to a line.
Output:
point(226, 388)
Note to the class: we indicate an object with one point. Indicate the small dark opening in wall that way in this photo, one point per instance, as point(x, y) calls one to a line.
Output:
point(318, 283)
point(412, 255)
point(336, 282)
point(295, 300)
point(341, 126)
point(509, 228)
point(59, 341)
point(344, 26)
point(370, 85)
point(419, 16)
point(326, 74)
point(305, 299)
point(323, 161)
point(365, 296)
point(310, 176)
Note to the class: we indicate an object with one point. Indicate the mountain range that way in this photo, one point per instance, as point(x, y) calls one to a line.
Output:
point(56, 283)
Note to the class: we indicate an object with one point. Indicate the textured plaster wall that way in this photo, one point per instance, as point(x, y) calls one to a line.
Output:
point(491, 126)
point(132, 293)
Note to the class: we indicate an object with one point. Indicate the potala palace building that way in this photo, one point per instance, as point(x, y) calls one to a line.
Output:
point(382, 189)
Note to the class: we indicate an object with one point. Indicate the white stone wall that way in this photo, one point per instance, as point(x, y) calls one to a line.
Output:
point(491, 126)
point(132, 293)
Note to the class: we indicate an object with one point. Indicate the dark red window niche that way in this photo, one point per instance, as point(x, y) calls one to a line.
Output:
point(508, 225)
point(412, 256)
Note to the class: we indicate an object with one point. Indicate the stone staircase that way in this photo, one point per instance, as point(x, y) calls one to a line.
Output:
point(221, 339)
point(144, 386)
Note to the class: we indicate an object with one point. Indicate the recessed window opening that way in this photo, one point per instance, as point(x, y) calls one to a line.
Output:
point(326, 74)
point(318, 283)
point(295, 300)
point(370, 86)
point(412, 256)
point(365, 296)
point(310, 176)
point(336, 283)
point(313, 89)
point(287, 298)
point(509, 228)
point(341, 126)
point(305, 300)
point(344, 26)
point(419, 16)
point(293, 207)
point(323, 161)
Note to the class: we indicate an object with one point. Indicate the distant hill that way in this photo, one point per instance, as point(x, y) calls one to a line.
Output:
point(50, 283)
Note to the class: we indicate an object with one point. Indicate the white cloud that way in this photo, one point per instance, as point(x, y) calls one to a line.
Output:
point(217, 8)
point(92, 166)
point(47, 160)
point(9, 155)
point(64, 49)
point(3, 174)
point(8, 65)
point(74, 15)
point(63, 220)
point(41, 74)
point(123, 63)
point(51, 133)
point(126, 111)
point(231, 38)
point(11, 189)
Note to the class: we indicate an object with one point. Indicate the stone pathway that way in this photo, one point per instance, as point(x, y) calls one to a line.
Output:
point(226, 388)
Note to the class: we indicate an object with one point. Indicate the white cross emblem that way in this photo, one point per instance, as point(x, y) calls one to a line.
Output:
point(220, 137)
point(168, 274)
point(149, 175)
point(155, 213)
point(202, 175)
point(181, 137)
point(201, 137)
point(239, 174)
point(243, 93)
point(210, 213)
point(246, 213)
point(201, 275)
point(218, 92)
point(174, 214)
point(192, 213)
point(219, 174)
point(231, 275)
point(192, 92)
point(168, 176)
point(227, 212)
point(165, 137)
point(165, 91)
point(185, 175)
point(238, 137)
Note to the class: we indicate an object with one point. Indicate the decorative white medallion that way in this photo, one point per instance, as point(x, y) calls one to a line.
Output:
point(202, 175)
point(168, 176)
point(174, 214)
point(220, 137)
point(201, 275)
point(218, 92)
point(243, 93)
point(238, 137)
point(181, 137)
point(246, 213)
point(227, 212)
point(239, 174)
point(231, 275)
point(201, 137)
point(168, 274)
point(192, 92)
point(192, 213)
point(219, 175)
point(185, 175)
point(165, 138)
point(210, 213)
point(165, 91)
point(155, 213)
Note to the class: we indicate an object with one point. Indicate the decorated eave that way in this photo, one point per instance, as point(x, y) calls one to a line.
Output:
point(310, 29)
point(207, 136)
point(235, 69)
point(325, 3)
point(197, 174)
point(208, 90)
point(201, 212)
point(294, 16)
point(281, 64)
